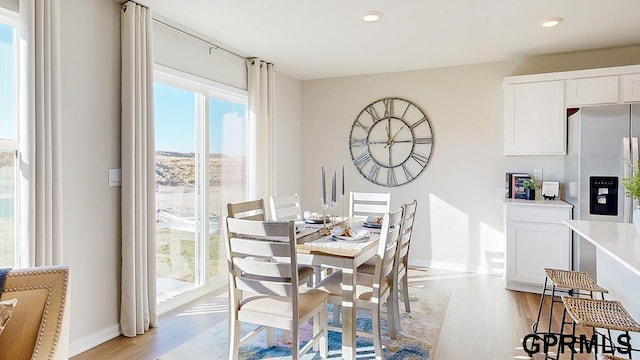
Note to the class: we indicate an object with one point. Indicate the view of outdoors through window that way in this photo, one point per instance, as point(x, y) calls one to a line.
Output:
point(185, 258)
point(8, 146)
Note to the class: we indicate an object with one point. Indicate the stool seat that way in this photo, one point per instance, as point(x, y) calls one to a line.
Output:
point(606, 314)
point(576, 280)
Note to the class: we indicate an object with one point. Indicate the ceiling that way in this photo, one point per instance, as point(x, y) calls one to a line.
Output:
point(312, 39)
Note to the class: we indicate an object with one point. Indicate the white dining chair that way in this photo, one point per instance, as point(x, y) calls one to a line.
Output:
point(266, 292)
point(402, 261)
point(254, 210)
point(286, 207)
point(249, 210)
point(373, 290)
point(369, 204)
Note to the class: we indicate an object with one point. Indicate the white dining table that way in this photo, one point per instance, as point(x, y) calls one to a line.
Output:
point(316, 249)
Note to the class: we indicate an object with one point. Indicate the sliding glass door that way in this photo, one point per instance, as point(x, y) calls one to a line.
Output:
point(201, 163)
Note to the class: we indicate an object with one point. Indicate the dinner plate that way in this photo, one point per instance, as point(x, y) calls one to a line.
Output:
point(372, 225)
point(315, 221)
point(362, 238)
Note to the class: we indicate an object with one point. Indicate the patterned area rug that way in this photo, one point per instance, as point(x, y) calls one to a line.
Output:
point(416, 340)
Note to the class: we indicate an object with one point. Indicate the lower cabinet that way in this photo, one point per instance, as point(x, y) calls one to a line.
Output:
point(537, 239)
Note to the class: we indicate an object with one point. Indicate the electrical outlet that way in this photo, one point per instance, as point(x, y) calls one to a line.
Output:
point(537, 174)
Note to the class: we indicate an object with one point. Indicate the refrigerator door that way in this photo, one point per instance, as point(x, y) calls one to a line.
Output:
point(602, 153)
point(635, 133)
point(596, 148)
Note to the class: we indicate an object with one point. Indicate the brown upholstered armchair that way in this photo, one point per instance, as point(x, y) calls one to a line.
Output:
point(38, 327)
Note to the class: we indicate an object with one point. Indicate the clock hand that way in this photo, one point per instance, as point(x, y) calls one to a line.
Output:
point(394, 136)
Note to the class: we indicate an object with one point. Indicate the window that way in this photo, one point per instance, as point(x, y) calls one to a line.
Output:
point(201, 136)
point(9, 144)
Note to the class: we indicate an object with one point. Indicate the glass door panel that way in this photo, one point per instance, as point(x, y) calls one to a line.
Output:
point(176, 225)
point(227, 170)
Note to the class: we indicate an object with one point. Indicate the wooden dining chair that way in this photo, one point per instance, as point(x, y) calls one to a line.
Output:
point(254, 210)
point(368, 204)
point(286, 207)
point(249, 210)
point(400, 273)
point(402, 260)
point(374, 290)
point(259, 292)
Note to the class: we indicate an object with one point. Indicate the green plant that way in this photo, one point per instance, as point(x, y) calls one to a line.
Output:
point(529, 184)
point(632, 183)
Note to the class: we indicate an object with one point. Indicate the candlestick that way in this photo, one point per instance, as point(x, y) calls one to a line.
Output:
point(342, 180)
point(333, 188)
point(324, 189)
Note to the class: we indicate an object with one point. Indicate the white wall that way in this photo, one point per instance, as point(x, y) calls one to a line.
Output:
point(287, 127)
point(90, 58)
point(459, 211)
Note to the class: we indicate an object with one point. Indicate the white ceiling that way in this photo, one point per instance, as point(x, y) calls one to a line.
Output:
point(311, 39)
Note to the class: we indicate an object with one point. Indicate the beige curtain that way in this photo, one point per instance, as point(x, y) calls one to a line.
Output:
point(41, 142)
point(138, 302)
point(261, 97)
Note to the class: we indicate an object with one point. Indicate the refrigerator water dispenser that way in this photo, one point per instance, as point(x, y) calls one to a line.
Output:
point(603, 199)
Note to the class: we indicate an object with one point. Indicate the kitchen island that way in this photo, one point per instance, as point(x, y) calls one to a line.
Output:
point(617, 261)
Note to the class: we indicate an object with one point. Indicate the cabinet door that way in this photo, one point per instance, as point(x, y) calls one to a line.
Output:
point(630, 87)
point(534, 246)
point(534, 119)
point(592, 91)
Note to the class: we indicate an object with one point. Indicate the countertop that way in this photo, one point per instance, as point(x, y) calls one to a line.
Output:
point(621, 241)
point(537, 202)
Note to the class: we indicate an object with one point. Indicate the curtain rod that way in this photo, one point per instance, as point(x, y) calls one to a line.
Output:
point(211, 45)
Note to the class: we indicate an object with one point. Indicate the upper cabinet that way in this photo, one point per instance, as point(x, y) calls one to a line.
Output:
point(592, 91)
point(534, 119)
point(630, 85)
point(535, 105)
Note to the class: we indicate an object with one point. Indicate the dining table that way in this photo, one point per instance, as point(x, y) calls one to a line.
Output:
point(317, 248)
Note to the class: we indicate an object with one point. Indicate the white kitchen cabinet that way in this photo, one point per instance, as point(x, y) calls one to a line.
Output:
point(592, 91)
point(536, 239)
point(630, 85)
point(534, 118)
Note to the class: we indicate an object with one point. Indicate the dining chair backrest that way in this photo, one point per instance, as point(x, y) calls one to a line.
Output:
point(252, 250)
point(409, 214)
point(390, 234)
point(285, 207)
point(248, 210)
point(367, 204)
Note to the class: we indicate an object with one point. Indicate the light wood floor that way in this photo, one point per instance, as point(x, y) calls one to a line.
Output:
point(483, 321)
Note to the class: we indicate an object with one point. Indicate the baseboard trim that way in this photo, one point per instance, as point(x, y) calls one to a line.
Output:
point(95, 339)
point(454, 267)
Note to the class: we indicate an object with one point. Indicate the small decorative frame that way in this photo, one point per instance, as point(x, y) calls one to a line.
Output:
point(550, 190)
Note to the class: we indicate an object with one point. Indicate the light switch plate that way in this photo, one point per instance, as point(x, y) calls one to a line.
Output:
point(115, 177)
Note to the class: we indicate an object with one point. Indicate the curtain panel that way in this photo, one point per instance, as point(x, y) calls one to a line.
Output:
point(261, 98)
point(138, 301)
point(40, 131)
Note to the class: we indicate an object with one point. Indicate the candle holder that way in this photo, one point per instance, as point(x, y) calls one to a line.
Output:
point(332, 206)
point(325, 230)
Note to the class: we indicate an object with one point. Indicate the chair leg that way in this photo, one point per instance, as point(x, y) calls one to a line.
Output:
point(323, 326)
point(234, 339)
point(405, 293)
point(377, 336)
point(392, 319)
point(271, 336)
point(295, 343)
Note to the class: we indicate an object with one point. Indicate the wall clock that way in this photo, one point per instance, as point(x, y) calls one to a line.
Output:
point(391, 141)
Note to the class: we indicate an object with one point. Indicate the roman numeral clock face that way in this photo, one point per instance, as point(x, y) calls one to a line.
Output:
point(391, 142)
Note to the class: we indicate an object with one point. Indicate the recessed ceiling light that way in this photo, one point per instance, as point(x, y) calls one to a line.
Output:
point(371, 16)
point(551, 22)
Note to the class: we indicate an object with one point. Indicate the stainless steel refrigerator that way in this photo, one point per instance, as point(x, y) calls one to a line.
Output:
point(602, 141)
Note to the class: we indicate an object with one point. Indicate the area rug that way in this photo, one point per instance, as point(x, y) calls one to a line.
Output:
point(417, 338)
